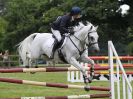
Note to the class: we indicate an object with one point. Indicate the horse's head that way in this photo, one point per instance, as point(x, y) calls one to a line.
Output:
point(92, 37)
point(87, 34)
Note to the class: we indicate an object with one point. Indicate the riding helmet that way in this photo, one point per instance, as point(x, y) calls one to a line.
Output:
point(75, 10)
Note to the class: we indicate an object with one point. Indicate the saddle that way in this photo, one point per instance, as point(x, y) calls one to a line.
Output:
point(59, 43)
point(58, 46)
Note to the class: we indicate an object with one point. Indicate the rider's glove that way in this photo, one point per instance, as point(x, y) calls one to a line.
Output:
point(71, 31)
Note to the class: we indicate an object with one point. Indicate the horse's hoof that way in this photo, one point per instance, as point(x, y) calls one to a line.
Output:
point(97, 77)
point(90, 81)
point(27, 67)
point(87, 80)
point(87, 88)
point(32, 72)
point(107, 76)
point(36, 66)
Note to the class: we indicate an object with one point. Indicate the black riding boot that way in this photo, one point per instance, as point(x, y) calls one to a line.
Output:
point(54, 48)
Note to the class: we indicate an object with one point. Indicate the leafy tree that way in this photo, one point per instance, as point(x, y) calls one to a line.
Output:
point(3, 26)
point(130, 48)
point(20, 19)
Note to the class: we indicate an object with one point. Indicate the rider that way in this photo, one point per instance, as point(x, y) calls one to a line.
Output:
point(62, 25)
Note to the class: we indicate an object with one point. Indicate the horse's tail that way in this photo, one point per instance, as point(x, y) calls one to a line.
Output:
point(24, 48)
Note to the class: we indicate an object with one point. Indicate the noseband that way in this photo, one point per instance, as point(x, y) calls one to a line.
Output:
point(90, 44)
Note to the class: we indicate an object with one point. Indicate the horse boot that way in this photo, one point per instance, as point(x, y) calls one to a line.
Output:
point(87, 79)
point(54, 48)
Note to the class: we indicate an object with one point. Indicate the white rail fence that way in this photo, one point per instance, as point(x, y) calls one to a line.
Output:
point(125, 80)
point(76, 76)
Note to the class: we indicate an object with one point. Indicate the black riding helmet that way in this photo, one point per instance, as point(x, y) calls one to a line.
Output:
point(75, 11)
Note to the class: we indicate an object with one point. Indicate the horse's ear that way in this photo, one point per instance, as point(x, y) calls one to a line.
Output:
point(81, 24)
point(87, 22)
point(96, 27)
point(75, 28)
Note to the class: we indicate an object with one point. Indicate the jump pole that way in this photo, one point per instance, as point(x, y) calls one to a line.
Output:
point(47, 69)
point(107, 72)
point(58, 85)
point(106, 57)
point(106, 65)
point(92, 96)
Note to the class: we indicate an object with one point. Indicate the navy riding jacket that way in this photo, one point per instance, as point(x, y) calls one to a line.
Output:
point(63, 23)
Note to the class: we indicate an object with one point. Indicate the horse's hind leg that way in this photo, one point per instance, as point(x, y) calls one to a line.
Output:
point(35, 54)
point(36, 63)
point(26, 62)
point(51, 63)
point(32, 63)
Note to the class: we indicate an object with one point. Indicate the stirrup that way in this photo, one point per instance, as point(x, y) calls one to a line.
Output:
point(54, 48)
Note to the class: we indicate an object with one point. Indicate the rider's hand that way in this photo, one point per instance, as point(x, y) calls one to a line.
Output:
point(71, 31)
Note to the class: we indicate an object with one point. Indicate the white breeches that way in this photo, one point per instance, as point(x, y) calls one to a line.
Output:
point(56, 34)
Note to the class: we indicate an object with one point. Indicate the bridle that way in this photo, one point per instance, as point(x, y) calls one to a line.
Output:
point(83, 41)
point(91, 43)
point(84, 48)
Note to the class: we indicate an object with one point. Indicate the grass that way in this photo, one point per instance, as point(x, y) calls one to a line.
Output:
point(8, 90)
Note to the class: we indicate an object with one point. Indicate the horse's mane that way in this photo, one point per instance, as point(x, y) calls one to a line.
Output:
point(82, 24)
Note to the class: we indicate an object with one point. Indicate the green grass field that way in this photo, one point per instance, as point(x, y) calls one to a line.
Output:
point(8, 90)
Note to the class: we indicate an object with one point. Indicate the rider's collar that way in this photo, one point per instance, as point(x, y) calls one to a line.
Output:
point(72, 19)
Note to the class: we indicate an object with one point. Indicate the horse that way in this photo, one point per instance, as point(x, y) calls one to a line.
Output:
point(74, 48)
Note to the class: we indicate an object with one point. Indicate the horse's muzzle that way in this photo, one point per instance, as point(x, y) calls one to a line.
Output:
point(95, 48)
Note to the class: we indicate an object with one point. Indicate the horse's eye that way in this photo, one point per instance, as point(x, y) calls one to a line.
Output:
point(91, 38)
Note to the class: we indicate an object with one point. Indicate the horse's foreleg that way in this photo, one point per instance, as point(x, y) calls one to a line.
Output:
point(76, 64)
point(86, 59)
point(30, 63)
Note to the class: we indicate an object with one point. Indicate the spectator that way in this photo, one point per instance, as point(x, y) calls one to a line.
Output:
point(6, 59)
point(1, 57)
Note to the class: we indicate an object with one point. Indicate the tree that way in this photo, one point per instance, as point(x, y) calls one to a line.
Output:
point(3, 27)
point(29, 16)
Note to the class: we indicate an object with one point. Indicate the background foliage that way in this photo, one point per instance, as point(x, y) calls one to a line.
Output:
point(20, 18)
